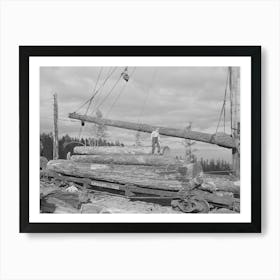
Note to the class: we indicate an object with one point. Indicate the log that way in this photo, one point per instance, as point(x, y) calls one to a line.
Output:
point(223, 140)
point(153, 160)
point(159, 177)
point(219, 184)
point(115, 150)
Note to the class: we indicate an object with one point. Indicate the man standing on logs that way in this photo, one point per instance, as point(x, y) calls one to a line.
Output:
point(155, 140)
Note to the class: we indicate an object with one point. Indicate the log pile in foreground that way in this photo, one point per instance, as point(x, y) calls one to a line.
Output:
point(137, 174)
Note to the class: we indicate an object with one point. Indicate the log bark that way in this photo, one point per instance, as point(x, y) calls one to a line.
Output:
point(159, 177)
point(114, 150)
point(218, 184)
point(223, 140)
point(151, 160)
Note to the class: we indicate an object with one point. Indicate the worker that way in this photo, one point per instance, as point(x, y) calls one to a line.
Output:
point(155, 140)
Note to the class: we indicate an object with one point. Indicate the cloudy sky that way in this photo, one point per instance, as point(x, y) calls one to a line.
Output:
point(163, 96)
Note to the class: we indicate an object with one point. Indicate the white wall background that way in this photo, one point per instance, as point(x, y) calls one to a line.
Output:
point(139, 256)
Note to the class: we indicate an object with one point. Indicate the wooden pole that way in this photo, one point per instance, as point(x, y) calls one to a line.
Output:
point(223, 140)
point(55, 127)
point(235, 95)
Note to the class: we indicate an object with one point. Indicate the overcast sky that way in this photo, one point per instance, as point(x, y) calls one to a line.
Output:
point(164, 96)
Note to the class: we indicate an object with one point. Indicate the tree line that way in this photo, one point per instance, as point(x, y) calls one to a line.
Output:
point(215, 165)
point(67, 143)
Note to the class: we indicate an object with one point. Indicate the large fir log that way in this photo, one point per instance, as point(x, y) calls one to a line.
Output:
point(159, 177)
point(125, 159)
point(223, 140)
point(114, 150)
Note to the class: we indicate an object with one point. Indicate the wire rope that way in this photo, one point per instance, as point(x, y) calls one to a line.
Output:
point(108, 94)
point(222, 113)
point(95, 93)
point(120, 93)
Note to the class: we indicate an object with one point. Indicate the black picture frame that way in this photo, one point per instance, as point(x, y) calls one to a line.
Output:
point(25, 52)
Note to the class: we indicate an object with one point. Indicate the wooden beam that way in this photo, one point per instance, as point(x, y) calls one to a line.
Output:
point(223, 140)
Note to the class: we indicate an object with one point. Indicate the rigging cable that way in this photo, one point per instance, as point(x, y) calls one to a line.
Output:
point(120, 93)
point(95, 93)
point(109, 93)
point(102, 89)
point(94, 88)
point(98, 77)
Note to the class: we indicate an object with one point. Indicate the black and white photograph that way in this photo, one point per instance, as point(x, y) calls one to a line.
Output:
point(153, 136)
point(140, 140)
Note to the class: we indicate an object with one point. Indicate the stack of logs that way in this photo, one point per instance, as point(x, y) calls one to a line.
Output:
point(137, 174)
